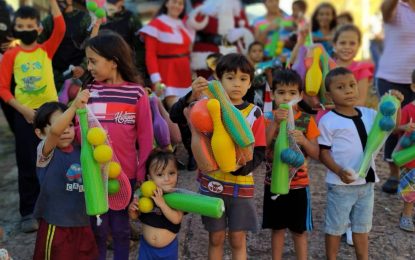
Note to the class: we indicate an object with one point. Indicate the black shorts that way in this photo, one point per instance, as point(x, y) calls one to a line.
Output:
point(292, 211)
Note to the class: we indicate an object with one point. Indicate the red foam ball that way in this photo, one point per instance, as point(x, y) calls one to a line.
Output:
point(200, 117)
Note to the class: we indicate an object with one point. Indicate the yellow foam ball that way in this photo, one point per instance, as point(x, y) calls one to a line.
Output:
point(148, 188)
point(145, 205)
point(102, 153)
point(114, 170)
point(96, 136)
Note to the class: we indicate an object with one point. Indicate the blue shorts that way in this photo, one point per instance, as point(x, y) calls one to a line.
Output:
point(148, 252)
point(346, 203)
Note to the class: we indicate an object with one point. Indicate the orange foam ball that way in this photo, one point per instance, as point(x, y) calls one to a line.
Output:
point(200, 117)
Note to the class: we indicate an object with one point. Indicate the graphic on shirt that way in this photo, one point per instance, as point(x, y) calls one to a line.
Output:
point(29, 86)
point(74, 176)
point(215, 187)
point(114, 112)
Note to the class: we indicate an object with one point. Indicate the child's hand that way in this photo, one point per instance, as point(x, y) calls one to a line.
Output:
point(158, 198)
point(133, 208)
point(28, 114)
point(81, 99)
point(409, 127)
point(280, 114)
point(77, 72)
point(347, 176)
point(198, 86)
point(298, 136)
point(397, 94)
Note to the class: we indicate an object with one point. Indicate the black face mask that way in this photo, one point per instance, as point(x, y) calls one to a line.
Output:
point(27, 37)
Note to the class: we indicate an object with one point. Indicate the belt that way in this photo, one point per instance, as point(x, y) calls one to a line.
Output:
point(172, 56)
point(216, 39)
point(233, 190)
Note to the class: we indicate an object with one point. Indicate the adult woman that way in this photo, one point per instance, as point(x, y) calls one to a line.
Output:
point(396, 65)
point(168, 42)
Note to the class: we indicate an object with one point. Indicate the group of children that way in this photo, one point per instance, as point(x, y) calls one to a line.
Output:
point(117, 98)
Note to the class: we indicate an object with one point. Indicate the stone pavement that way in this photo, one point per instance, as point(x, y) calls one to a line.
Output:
point(387, 241)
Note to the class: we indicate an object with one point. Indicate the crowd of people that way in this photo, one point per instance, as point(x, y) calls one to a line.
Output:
point(115, 66)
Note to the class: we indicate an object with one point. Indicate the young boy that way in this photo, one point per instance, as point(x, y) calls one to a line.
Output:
point(64, 228)
point(31, 65)
point(235, 188)
point(296, 206)
point(343, 137)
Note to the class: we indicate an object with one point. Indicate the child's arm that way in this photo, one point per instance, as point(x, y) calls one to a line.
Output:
point(144, 133)
point(55, 8)
point(310, 146)
point(363, 87)
point(172, 215)
point(133, 211)
point(329, 162)
point(176, 112)
point(63, 122)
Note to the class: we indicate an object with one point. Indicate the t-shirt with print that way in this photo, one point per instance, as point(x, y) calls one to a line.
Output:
point(61, 200)
point(305, 123)
point(32, 70)
point(408, 115)
point(345, 137)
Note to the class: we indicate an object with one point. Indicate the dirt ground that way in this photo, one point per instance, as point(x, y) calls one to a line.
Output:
point(387, 241)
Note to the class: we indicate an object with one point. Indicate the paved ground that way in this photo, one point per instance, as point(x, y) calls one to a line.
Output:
point(387, 241)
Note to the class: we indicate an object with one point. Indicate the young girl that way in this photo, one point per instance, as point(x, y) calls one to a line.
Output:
point(346, 43)
point(161, 225)
point(64, 229)
point(260, 93)
point(122, 107)
point(323, 23)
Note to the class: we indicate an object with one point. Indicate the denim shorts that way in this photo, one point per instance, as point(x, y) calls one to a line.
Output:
point(349, 204)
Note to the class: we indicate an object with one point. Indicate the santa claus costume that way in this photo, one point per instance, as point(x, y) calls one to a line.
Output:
point(222, 27)
point(167, 41)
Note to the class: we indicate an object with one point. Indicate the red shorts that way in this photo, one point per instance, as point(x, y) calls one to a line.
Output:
point(53, 242)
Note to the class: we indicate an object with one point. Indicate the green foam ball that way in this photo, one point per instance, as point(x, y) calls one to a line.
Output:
point(100, 13)
point(113, 186)
point(91, 6)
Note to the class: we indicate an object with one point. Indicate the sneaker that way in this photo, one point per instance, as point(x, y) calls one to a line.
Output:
point(28, 224)
point(391, 185)
point(4, 255)
point(406, 224)
point(349, 236)
point(191, 165)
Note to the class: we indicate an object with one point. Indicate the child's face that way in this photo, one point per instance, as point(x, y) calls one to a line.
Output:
point(347, 45)
point(343, 90)
point(101, 68)
point(27, 25)
point(68, 135)
point(285, 93)
point(297, 11)
point(166, 178)
point(325, 16)
point(272, 5)
point(256, 54)
point(236, 85)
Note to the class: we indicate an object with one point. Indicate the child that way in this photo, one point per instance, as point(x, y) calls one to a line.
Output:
point(343, 137)
point(299, 8)
point(260, 92)
point(296, 205)
point(161, 225)
point(31, 65)
point(323, 24)
point(64, 228)
point(344, 18)
point(407, 125)
point(346, 43)
point(235, 188)
point(121, 105)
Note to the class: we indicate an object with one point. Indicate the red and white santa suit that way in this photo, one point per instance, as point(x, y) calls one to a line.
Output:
point(168, 42)
point(217, 22)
